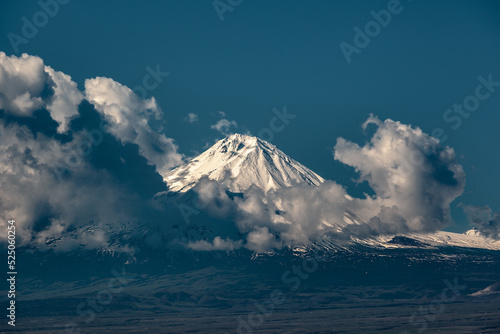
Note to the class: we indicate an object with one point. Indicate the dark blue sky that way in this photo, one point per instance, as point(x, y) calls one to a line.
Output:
point(270, 54)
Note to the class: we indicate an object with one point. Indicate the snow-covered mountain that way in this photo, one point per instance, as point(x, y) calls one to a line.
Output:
point(241, 161)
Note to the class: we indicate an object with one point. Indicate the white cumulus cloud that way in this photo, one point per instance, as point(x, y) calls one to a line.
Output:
point(224, 126)
point(217, 244)
point(408, 170)
point(67, 97)
point(43, 204)
point(191, 118)
point(26, 85)
point(484, 219)
point(129, 117)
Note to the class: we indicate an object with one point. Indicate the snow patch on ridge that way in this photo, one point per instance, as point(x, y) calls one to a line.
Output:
point(436, 239)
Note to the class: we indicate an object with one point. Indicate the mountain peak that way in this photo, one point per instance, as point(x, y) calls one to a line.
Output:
point(236, 142)
point(240, 161)
point(240, 137)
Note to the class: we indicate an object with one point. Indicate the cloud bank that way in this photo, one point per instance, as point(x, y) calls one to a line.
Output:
point(413, 177)
point(483, 218)
point(76, 167)
point(128, 118)
point(82, 168)
point(217, 244)
point(26, 85)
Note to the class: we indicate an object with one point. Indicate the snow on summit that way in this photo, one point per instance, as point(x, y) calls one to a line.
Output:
point(240, 161)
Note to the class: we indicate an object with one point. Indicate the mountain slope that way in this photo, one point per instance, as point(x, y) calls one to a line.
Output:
point(469, 239)
point(240, 161)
